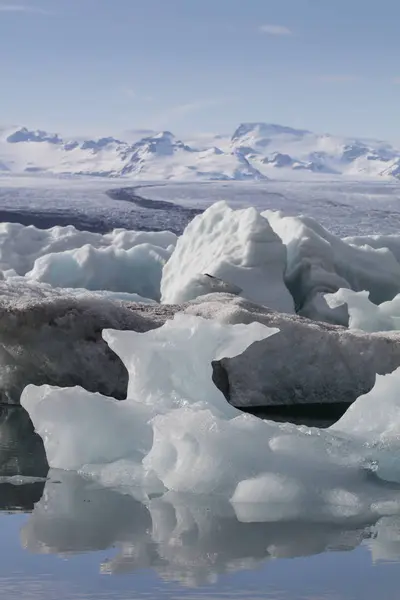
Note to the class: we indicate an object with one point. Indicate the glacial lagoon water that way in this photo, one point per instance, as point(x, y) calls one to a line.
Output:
point(68, 538)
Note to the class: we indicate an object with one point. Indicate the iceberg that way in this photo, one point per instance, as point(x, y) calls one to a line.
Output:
point(21, 246)
point(237, 246)
point(175, 432)
point(308, 365)
point(64, 418)
point(364, 315)
point(320, 263)
point(135, 271)
point(53, 336)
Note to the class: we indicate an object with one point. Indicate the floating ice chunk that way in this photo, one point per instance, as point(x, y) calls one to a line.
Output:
point(237, 246)
point(137, 270)
point(163, 372)
point(95, 429)
point(283, 496)
point(385, 242)
point(165, 383)
point(375, 419)
point(365, 315)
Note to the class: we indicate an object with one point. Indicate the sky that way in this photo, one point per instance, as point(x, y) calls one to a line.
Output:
point(192, 66)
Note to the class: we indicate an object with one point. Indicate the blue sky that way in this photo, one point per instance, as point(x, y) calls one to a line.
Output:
point(104, 66)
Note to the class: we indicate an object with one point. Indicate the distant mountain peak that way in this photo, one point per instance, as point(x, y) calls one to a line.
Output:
point(25, 135)
point(266, 130)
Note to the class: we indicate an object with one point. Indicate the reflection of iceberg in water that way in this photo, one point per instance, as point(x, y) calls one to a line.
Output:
point(385, 539)
point(21, 449)
point(185, 538)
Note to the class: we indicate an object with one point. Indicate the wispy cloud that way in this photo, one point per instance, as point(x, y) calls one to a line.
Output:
point(180, 111)
point(338, 78)
point(269, 29)
point(396, 80)
point(21, 9)
point(130, 93)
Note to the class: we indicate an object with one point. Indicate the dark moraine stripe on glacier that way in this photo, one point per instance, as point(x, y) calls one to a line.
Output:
point(140, 214)
point(163, 214)
point(47, 219)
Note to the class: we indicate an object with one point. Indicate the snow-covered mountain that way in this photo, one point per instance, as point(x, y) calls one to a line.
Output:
point(255, 151)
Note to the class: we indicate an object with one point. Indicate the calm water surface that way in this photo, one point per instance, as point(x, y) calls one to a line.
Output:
point(67, 538)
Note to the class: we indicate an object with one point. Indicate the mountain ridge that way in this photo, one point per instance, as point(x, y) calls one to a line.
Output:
point(254, 151)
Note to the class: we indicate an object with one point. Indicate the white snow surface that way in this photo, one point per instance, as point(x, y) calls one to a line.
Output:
point(238, 247)
point(176, 432)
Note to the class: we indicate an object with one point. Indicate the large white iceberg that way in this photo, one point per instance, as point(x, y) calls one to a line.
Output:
point(62, 417)
point(237, 246)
